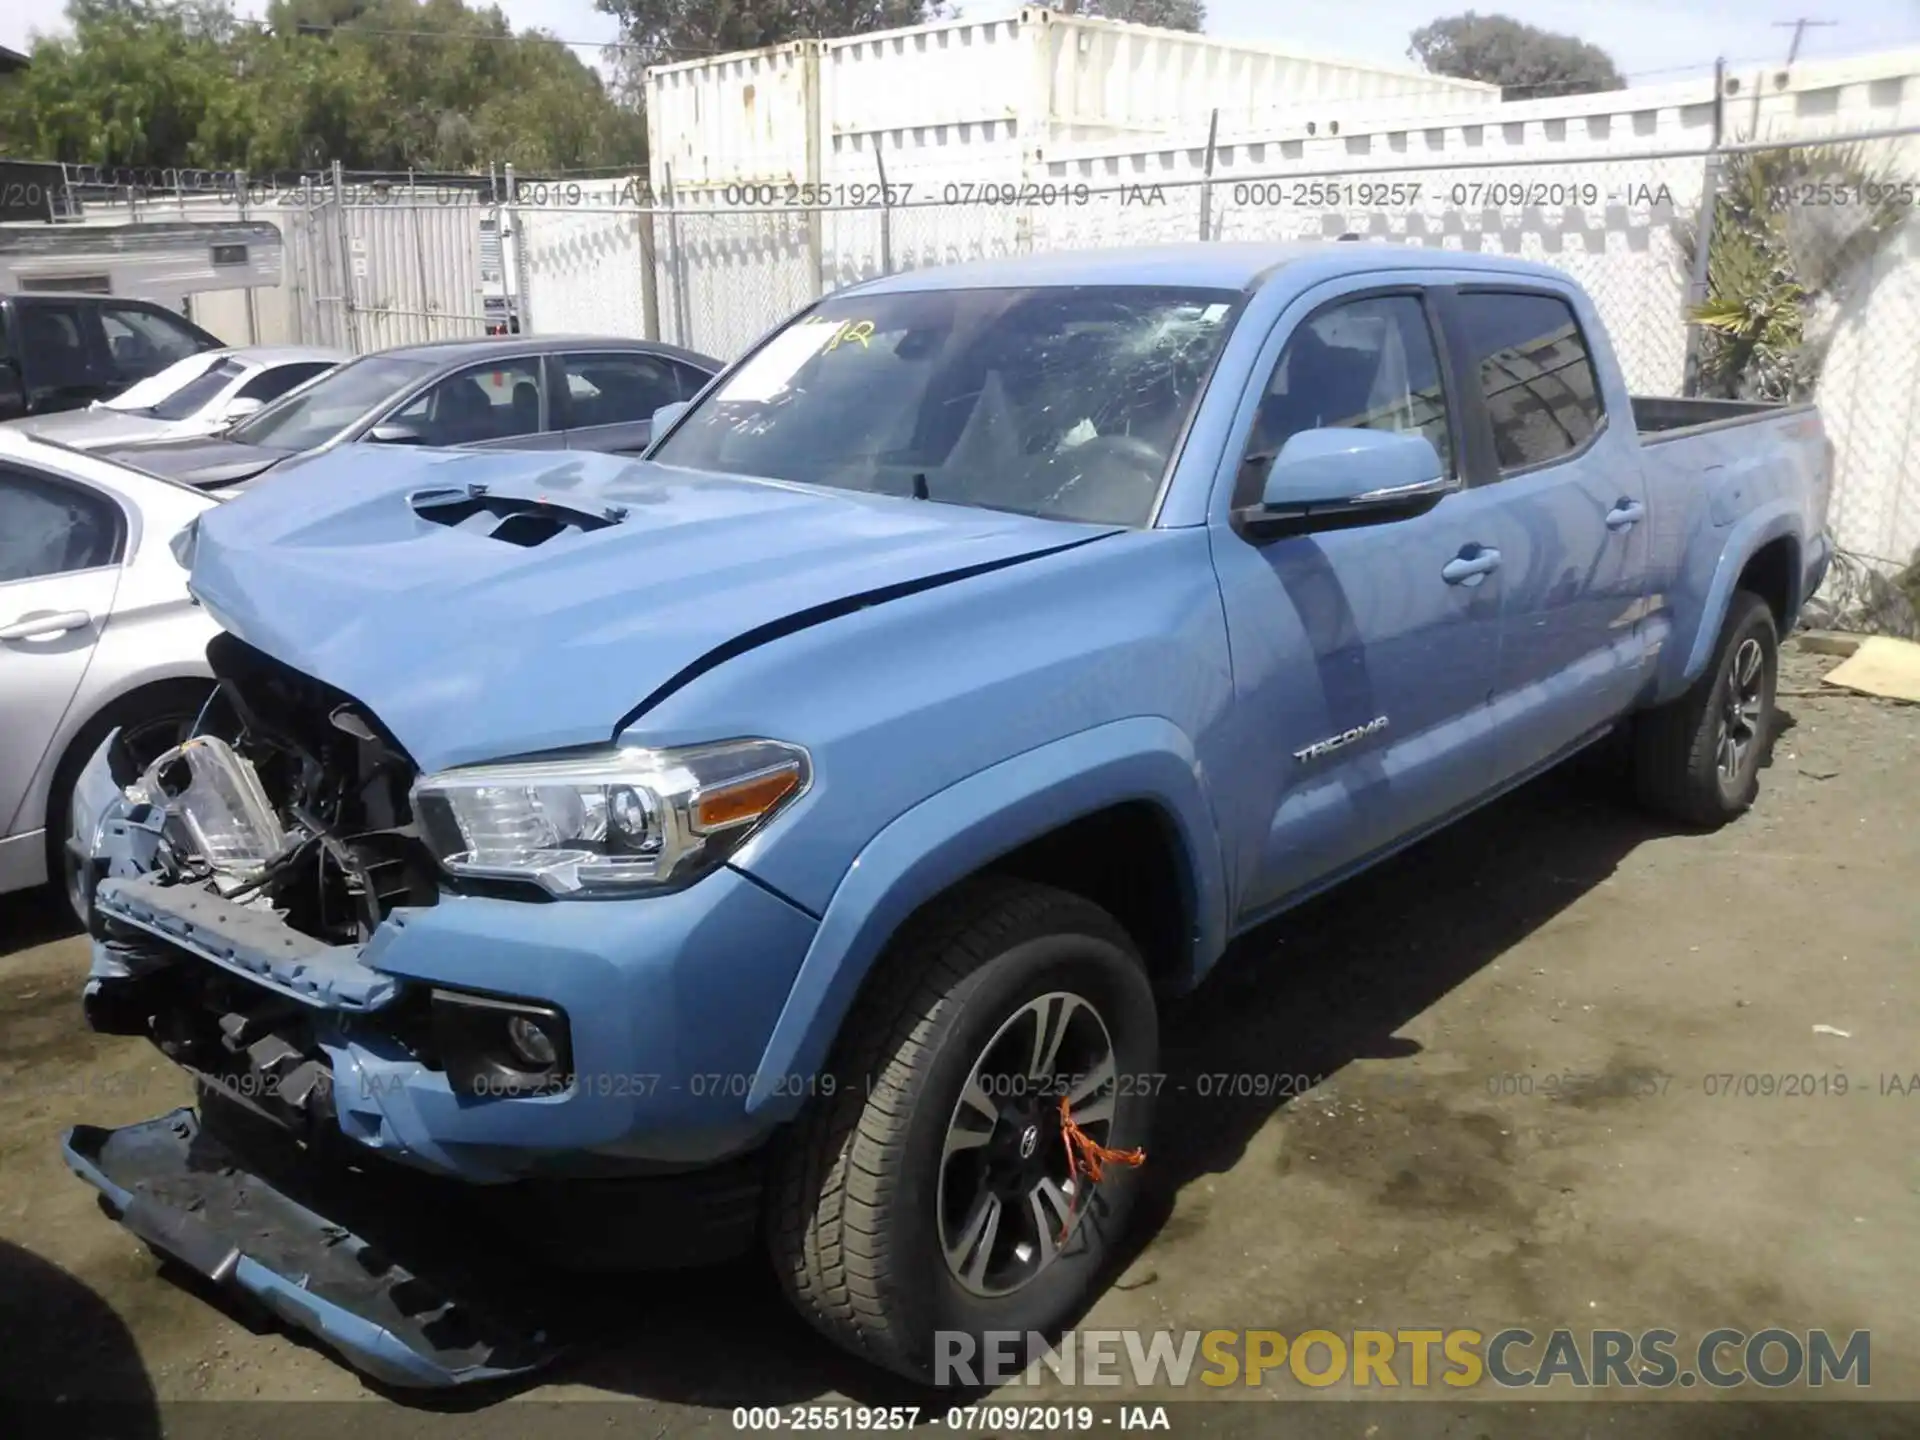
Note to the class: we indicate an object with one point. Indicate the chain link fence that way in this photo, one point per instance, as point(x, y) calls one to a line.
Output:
point(375, 263)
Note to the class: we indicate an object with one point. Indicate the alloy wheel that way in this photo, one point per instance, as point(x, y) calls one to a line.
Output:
point(1742, 708)
point(1010, 1193)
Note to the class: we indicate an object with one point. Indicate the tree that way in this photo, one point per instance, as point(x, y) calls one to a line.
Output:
point(1522, 60)
point(658, 32)
point(375, 84)
point(1167, 14)
point(131, 87)
point(1780, 269)
point(453, 87)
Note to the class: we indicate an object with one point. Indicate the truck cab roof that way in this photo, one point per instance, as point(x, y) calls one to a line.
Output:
point(1227, 265)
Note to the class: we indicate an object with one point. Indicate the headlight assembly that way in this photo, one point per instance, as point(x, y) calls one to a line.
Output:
point(614, 823)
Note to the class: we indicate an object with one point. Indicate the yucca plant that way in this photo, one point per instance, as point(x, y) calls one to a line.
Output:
point(1793, 230)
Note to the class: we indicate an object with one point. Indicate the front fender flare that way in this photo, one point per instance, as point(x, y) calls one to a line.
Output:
point(964, 827)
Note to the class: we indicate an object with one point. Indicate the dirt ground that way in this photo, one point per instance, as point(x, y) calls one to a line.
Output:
point(1520, 1021)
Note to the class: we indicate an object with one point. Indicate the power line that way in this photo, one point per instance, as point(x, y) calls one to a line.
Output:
point(1800, 28)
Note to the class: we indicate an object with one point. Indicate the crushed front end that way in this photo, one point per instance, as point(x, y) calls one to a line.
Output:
point(236, 882)
point(266, 911)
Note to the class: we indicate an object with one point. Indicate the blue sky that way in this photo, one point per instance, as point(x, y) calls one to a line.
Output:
point(1650, 38)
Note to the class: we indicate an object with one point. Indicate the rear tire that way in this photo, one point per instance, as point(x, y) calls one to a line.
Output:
point(1697, 758)
point(903, 1197)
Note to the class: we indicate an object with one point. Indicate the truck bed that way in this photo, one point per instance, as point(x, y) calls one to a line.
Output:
point(1659, 418)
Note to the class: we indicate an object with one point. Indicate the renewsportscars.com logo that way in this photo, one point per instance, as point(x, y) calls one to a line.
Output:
point(1458, 1359)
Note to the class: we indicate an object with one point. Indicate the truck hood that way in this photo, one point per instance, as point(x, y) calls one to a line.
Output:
point(405, 579)
point(203, 460)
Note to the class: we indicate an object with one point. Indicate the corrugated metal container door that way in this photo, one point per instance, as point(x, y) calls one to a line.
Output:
point(736, 117)
point(917, 155)
point(951, 100)
point(415, 271)
point(979, 99)
point(1134, 79)
point(928, 75)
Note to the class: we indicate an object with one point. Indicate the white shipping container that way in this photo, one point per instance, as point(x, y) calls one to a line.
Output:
point(1135, 79)
point(957, 101)
point(988, 99)
point(738, 117)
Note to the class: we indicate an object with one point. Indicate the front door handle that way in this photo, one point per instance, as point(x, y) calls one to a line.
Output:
point(36, 623)
point(1470, 566)
point(1625, 515)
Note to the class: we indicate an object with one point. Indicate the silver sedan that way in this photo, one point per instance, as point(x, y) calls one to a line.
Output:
point(200, 395)
point(97, 630)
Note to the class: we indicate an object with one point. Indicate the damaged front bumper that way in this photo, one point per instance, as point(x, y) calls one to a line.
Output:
point(184, 1192)
point(668, 1002)
point(644, 1153)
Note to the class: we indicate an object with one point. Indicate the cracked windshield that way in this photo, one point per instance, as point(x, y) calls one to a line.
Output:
point(1063, 402)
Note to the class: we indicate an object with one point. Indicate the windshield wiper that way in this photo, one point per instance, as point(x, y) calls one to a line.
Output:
point(920, 485)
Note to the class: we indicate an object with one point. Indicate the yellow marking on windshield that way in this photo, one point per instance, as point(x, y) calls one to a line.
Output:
point(861, 330)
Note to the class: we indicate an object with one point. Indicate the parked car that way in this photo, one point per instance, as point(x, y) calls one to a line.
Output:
point(97, 634)
point(560, 392)
point(200, 395)
point(60, 352)
point(800, 824)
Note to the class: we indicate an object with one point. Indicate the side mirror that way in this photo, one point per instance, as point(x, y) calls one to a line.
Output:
point(666, 415)
point(1323, 479)
point(240, 408)
point(395, 433)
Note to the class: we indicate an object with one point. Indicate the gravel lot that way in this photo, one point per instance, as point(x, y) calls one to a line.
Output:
point(1518, 1021)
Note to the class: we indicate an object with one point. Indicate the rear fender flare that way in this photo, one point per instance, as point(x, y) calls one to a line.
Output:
point(965, 827)
point(1744, 541)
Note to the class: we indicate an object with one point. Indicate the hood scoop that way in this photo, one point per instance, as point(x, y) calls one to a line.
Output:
point(521, 520)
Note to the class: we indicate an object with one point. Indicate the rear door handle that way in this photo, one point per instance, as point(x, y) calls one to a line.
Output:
point(1470, 569)
point(1625, 515)
point(45, 622)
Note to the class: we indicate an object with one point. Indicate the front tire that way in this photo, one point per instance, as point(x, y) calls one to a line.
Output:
point(932, 1192)
point(1697, 758)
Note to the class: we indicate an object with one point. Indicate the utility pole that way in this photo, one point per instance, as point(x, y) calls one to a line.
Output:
point(1800, 28)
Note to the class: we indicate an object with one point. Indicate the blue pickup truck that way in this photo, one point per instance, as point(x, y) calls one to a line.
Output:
point(788, 837)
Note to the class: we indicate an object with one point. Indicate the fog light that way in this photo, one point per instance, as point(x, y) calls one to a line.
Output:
point(530, 1043)
point(493, 1046)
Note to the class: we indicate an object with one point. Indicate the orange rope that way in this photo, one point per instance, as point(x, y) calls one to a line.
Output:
point(1087, 1155)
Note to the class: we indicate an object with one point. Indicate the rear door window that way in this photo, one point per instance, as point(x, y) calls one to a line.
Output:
point(618, 388)
point(1536, 374)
